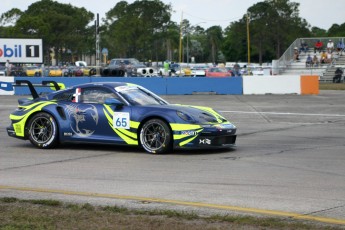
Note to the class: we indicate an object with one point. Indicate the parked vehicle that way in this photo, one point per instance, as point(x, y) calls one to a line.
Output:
point(55, 71)
point(33, 71)
point(127, 67)
point(217, 72)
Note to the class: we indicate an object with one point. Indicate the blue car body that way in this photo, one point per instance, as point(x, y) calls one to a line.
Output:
point(117, 113)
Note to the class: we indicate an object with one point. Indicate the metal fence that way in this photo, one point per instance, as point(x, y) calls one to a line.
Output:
point(287, 58)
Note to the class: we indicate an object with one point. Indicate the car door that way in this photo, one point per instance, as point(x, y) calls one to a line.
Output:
point(92, 120)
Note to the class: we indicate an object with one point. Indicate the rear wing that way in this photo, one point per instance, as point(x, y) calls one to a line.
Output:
point(52, 84)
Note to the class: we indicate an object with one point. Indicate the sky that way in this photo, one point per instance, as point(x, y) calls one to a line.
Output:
point(207, 13)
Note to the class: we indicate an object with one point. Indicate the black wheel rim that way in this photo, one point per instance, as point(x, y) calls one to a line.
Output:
point(154, 136)
point(41, 130)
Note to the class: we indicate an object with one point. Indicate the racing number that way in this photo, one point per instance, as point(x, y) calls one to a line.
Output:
point(121, 120)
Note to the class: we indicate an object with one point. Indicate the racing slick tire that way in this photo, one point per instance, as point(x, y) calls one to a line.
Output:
point(156, 136)
point(43, 131)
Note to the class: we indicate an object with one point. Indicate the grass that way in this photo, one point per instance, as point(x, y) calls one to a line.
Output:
point(51, 214)
point(332, 86)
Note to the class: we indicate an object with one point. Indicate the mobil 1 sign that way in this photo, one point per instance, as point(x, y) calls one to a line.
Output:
point(21, 50)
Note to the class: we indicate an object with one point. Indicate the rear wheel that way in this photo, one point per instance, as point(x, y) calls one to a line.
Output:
point(42, 131)
point(156, 137)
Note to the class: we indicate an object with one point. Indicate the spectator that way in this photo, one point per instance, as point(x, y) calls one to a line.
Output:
point(323, 57)
point(316, 61)
point(309, 61)
point(330, 46)
point(329, 57)
point(340, 48)
point(318, 46)
point(295, 54)
point(338, 75)
point(237, 70)
point(166, 66)
point(304, 47)
point(8, 68)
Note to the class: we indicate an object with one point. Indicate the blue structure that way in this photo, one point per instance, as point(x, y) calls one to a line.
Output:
point(158, 85)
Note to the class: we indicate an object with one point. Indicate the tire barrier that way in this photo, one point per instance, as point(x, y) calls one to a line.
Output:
point(113, 73)
point(92, 71)
point(146, 72)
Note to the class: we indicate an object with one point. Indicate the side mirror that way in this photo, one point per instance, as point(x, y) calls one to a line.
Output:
point(113, 101)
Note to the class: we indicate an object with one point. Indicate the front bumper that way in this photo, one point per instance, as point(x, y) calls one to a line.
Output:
point(12, 133)
point(208, 138)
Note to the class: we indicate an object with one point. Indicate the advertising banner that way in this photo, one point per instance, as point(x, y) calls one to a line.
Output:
point(6, 87)
point(21, 50)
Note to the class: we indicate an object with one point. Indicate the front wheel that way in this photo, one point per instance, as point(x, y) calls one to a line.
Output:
point(42, 131)
point(155, 136)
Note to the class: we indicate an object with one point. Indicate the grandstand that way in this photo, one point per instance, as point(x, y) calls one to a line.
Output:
point(287, 66)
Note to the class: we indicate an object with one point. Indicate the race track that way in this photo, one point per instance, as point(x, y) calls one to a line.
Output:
point(289, 162)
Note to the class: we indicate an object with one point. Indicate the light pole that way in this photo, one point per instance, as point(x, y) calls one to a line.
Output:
point(180, 49)
point(97, 45)
point(248, 40)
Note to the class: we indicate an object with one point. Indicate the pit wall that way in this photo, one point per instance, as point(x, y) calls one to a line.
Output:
point(247, 85)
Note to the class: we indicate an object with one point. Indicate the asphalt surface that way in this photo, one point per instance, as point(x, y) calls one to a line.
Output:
point(289, 162)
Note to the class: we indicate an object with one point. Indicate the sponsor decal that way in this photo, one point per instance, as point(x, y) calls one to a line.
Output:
point(205, 141)
point(84, 119)
point(67, 134)
point(77, 95)
point(189, 133)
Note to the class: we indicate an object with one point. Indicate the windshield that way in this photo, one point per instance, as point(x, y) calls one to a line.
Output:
point(139, 96)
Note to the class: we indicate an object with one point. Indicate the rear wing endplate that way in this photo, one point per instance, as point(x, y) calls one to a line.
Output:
point(22, 83)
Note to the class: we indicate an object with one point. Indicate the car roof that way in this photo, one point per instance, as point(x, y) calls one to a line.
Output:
point(110, 85)
point(106, 84)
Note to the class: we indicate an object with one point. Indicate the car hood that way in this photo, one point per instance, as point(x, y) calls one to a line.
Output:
point(196, 114)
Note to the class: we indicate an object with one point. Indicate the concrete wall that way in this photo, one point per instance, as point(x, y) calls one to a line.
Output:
point(271, 85)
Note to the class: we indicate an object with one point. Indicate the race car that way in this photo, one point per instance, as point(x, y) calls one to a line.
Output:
point(116, 113)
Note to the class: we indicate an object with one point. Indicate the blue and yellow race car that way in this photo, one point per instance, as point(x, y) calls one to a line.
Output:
point(116, 113)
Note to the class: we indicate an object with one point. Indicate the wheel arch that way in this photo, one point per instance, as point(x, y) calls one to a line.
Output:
point(41, 111)
point(153, 117)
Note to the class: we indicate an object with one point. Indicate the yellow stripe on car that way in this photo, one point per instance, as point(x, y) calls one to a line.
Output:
point(20, 125)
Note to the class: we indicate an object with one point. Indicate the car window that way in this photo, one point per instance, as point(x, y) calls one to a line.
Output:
point(96, 95)
point(65, 96)
point(138, 96)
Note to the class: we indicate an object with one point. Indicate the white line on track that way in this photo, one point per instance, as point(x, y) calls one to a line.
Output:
point(293, 114)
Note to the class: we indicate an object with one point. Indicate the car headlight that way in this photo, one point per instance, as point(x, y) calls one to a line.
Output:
point(185, 117)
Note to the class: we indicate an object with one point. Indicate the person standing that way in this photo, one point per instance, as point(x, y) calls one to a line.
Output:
point(166, 66)
point(8, 68)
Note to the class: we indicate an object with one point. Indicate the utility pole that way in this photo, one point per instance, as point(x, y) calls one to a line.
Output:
point(248, 41)
point(97, 45)
point(180, 50)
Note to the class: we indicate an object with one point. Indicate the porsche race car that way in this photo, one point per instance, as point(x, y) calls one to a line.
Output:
point(116, 113)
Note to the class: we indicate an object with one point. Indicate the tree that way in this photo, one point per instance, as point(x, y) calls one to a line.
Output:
point(61, 26)
point(8, 21)
point(274, 25)
point(336, 30)
point(215, 37)
point(133, 28)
